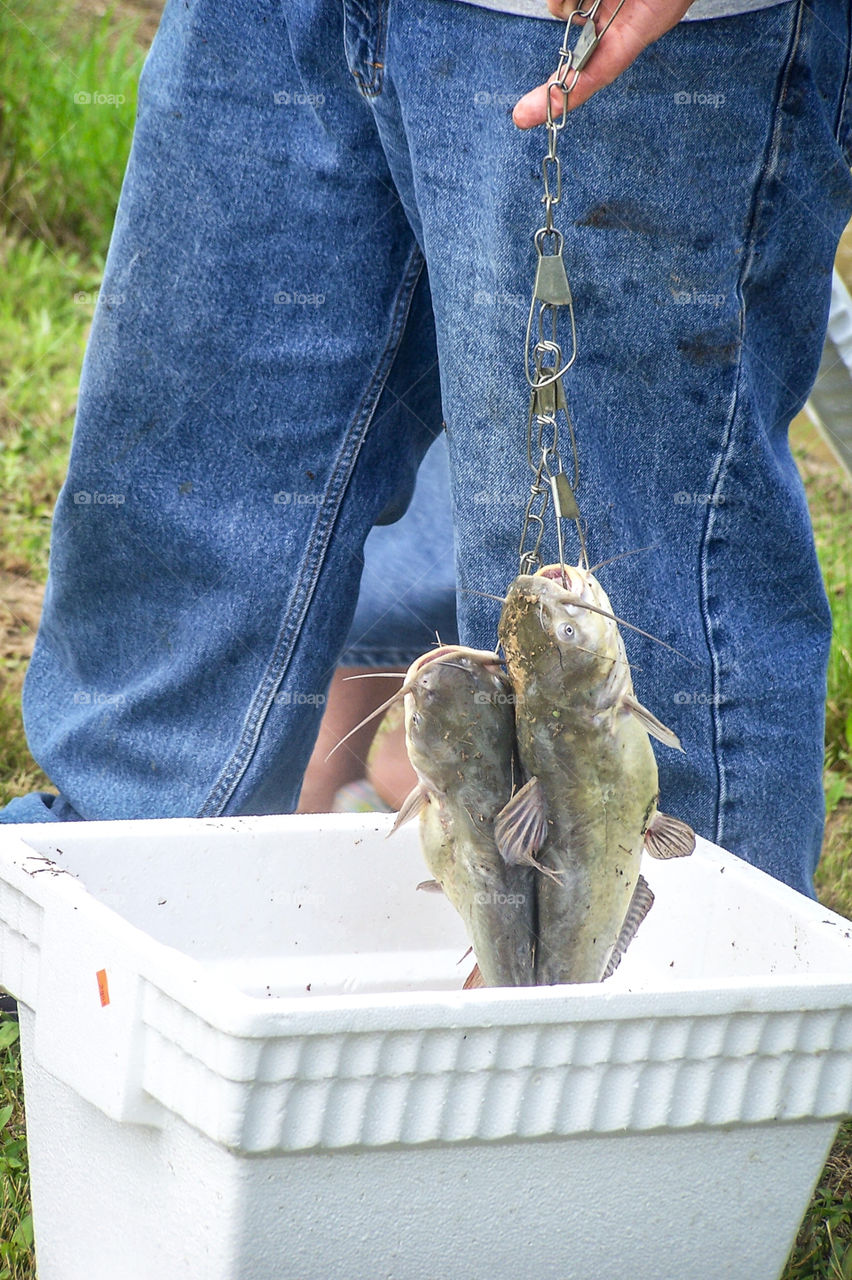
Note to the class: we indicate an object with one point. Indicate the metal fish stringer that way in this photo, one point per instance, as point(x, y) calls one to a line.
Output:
point(544, 362)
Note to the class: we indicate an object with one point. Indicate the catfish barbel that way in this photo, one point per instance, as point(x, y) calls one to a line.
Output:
point(590, 802)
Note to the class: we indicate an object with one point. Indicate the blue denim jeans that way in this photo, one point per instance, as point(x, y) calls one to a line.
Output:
point(324, 245)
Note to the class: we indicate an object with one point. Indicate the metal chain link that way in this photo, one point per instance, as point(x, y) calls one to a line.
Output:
point(551, 292)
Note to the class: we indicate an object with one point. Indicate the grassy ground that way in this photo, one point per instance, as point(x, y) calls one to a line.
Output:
point(67, 104)
point(62, 151)
point(16, 1224)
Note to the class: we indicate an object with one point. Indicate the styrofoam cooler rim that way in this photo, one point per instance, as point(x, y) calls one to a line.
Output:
point(201, 992)
point(331, 1072)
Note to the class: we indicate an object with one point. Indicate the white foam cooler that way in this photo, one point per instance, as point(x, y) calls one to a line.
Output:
point(247, 1057)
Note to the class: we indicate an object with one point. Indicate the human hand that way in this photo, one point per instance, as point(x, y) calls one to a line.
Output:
point(638, 24)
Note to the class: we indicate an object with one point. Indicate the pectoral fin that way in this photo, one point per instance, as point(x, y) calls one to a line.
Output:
point(431, 886)
point(667, 837)
point(411, 806)
point(651, 724)
point(640, 905)
point(521, 827)
point(474, 979)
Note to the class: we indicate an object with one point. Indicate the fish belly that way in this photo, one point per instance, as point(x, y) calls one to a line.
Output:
point(579, 920)
point(598, 789)
point(496, 902)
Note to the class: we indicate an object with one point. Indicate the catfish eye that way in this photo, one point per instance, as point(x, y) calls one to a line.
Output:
point(564, 631)
point(415, 718)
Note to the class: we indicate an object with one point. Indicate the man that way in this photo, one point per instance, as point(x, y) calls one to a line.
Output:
point(324, 242)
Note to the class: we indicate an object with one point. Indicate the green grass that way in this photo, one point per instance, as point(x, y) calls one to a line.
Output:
point(824, 1246)
point(16, 1224)
point(69, 100)
point(43, 325)
point(832, 518)
point(61, 163)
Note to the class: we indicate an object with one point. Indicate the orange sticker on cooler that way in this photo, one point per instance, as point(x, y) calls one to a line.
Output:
point(103, 986)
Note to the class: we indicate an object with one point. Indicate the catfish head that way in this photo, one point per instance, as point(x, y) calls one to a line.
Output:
point(558, 631)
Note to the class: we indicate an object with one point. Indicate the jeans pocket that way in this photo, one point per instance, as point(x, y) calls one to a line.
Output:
point(820, 82)
point(843, 129)
point(365, 24)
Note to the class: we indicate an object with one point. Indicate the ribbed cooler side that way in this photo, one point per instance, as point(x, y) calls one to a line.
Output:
point(372, 1088)
point(20, 939)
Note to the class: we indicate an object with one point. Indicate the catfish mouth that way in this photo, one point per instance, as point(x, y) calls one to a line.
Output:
point(483, 657)
point(566, 576)
point(551, 571)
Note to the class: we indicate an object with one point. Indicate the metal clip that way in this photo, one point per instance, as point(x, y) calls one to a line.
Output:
point(564, 498)
point(551, 280)
point(546, 400)
point(585, 46)
point(551, 291)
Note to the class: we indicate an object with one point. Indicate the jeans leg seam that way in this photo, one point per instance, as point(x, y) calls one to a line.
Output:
point(235, 769)
point(770, 162)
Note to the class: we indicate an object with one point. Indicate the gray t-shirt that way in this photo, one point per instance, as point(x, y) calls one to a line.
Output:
point(700, 9)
